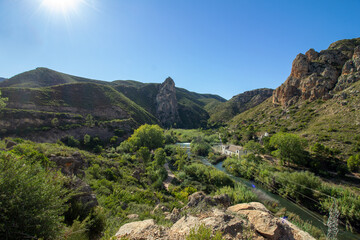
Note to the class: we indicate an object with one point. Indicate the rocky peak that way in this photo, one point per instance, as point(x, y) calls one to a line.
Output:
point(316, 75)
point(311, 54)
point(166, 104)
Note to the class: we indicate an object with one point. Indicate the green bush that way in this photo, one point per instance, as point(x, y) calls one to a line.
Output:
point(353, 163)
point(238, 194)
point(203, 233)
point(200, 147)
point(32, 200)
point(150, 136)
point(208, 175)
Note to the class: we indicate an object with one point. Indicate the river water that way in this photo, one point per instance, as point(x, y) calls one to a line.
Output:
point(262, 193)
point(302, 212)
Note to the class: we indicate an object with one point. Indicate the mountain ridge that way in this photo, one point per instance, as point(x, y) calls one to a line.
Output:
point(318, 101)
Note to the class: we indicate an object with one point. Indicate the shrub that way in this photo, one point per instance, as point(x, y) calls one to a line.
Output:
point(200, 147)
point(32, 200)
point(238, 194)
point(353, 163)
point(203, 233)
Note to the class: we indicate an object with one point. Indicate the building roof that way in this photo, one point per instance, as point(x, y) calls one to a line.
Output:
point(233, 148)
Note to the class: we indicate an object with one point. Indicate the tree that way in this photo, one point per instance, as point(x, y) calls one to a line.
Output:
point(200, 147)
point(254, 147)
point(180, 157)
point(290, 148)
point(353, 163)
point(2, 101)
point(150, 136)
point(160, 156)
point(89, 121)
point(32, 200)
point(144, 154)
point(87, 140)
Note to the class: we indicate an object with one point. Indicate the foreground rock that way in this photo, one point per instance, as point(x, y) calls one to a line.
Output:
point(241, 221)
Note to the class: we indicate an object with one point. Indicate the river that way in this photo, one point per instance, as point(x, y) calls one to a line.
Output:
point(305, 214)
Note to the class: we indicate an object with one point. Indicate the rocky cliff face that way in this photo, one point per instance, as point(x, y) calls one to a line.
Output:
point(166, 104)
point(317, 74)
point(241, 221)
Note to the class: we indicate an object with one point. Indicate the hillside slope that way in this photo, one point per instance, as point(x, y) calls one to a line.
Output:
point(74, 105)
point(225, 111)
point(313, 103)
point(192, 107)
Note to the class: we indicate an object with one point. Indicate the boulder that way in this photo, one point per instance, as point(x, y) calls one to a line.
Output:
point(174, 216)
point(222, 199)
point(248, 206)
point(241, 221)
point(72, 165)
point(267, 225)
point(135, 229)
point(195, 199)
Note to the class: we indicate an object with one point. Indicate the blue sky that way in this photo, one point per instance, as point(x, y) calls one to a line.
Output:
point(223, 47)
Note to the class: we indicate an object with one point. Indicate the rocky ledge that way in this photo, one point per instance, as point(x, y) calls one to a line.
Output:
point(241, 221)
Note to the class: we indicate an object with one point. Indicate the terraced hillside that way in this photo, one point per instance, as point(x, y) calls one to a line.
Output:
point(69, 109)
point(45, 105)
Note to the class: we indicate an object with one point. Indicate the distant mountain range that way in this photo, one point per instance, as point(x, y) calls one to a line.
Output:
point(38, 96)
point(319, 101)
point(2, 79)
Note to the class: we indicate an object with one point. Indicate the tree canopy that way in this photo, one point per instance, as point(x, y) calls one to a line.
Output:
point(150, 136)
point(289, 147)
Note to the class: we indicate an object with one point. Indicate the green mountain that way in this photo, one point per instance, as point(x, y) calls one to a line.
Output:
point(74, 109)
point(44, 77)
point(39, 96)
point(192, 106)
point(319, 100)
point(223, 112)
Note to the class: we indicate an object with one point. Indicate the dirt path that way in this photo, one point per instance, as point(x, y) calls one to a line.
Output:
point(170, 177)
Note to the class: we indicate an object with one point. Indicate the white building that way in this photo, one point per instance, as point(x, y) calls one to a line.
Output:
point(231, 150)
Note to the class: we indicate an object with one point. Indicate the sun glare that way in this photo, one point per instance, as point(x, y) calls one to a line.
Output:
point(61, 5)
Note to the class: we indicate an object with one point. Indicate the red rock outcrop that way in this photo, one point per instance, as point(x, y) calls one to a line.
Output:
point(316, 74)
